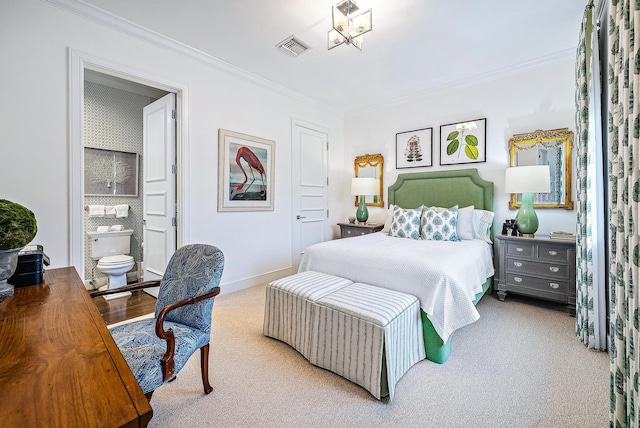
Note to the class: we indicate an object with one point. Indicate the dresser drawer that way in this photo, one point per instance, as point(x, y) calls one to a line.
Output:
point(553, 270)
point(352, 231)
point(522, 249)
point(539, 287)
point(554, 253)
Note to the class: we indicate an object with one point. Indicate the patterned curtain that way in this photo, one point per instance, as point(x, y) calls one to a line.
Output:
point(624, 188)
point(584, 281)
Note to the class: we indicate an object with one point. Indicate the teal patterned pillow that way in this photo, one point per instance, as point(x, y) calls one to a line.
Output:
point(406, 223)
point(440, 226)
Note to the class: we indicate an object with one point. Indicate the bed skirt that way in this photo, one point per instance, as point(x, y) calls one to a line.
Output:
point(437, 350)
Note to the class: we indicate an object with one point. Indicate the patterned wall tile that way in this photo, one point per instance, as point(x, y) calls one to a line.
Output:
point(113, 121)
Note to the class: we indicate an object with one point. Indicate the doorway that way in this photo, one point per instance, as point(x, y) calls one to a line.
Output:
point(117, 86)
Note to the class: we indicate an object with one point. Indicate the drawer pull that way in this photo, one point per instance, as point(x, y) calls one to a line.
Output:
point(517, 279)
point(554, 285)
point(554, 269)
point(553, 253)
point(517, 264)
point(519, 249)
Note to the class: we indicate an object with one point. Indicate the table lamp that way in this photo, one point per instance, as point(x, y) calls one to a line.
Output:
point(361, 187)
point(527, 180)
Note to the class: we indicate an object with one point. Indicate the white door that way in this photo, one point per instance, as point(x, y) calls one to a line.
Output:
point(159, 205)
point(310, 183)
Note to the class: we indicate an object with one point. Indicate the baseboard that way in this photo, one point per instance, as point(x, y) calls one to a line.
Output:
point(230, 287)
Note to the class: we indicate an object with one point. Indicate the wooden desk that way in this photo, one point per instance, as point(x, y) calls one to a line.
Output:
point(59, 366)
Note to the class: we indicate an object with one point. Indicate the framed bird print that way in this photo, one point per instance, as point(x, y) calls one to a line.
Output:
point(245, 172)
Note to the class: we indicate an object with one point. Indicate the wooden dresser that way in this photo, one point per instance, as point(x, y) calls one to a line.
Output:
point(539, 267)
point(59, 366)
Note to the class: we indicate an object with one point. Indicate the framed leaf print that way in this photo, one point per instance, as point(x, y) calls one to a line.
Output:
point(463, 142)
point(414, 148)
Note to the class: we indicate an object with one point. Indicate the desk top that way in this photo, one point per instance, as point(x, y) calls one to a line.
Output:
point(59, 365)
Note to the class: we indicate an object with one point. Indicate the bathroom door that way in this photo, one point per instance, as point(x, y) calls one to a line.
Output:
point(159, 204)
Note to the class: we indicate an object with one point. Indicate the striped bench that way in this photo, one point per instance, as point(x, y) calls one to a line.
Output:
point(368, 335)
point(289, 306)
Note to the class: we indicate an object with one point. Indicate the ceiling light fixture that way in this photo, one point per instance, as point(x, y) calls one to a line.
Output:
point(349, 24)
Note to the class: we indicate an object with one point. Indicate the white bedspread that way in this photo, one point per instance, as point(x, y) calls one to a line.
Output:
point(445, 276)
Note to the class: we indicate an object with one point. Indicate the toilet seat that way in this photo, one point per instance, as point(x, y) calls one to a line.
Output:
point(115, 260)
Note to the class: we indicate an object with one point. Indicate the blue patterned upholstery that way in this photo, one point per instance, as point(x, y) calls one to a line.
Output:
point(192, 271)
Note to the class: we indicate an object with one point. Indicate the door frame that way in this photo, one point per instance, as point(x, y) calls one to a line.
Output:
point(78, 62)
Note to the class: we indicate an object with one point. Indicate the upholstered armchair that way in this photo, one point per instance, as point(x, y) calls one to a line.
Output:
point(157, 349)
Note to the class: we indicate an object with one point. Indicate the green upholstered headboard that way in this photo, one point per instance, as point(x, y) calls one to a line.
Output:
point(462, 187)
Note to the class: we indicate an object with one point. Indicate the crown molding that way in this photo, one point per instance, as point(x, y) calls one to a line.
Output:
point(448, 85)
point(122, 25)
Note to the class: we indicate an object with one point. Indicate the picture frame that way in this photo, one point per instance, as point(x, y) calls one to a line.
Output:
point(414, 148)
point(245, 172)
point(110, 172)
point(457, 148)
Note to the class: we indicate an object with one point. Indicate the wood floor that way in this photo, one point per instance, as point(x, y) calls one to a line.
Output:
point(116, 310)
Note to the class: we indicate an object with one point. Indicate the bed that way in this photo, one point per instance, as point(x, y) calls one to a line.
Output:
point(456, 275)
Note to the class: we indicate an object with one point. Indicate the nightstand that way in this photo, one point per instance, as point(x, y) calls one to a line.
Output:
point(538, 267)
point(348, 230)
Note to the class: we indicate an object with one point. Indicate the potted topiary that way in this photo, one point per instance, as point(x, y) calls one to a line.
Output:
point(18, 227)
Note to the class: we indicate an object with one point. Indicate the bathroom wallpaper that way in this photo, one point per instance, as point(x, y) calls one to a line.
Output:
point(113, 121)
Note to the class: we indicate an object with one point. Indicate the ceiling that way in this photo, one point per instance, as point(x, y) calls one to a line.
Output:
point(415, 45)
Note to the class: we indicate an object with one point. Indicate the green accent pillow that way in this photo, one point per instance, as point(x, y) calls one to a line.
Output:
point(440, 226)
point(406, 223)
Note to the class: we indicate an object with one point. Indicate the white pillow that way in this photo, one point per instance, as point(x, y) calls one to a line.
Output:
point(406, 223)
point(482, 221)
point(387, 223)
point(440, 226)
point(465, 222)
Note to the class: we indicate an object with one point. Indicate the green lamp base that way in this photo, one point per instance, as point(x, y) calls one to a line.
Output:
point(362, 214)
point(526, 219)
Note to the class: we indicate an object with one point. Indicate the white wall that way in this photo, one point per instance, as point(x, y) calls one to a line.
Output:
point(35, 172)
point(541, 98)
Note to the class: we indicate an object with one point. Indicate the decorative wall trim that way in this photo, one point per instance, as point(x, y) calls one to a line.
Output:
point(122, 25)
point(129, 28)
point(262, 279)
point(447, 85)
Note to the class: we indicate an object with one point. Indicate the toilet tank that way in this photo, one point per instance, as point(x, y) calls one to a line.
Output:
point(112, 243)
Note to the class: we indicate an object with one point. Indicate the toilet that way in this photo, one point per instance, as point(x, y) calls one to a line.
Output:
point(112, 249)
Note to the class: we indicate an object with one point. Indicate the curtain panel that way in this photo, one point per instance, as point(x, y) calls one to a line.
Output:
point(624, 191)
point(584, 276)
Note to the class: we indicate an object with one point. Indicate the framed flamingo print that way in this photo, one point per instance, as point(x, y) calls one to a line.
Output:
point(245, 172)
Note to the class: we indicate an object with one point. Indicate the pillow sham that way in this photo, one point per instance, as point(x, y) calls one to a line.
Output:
point(482, 221)
point(405, 223)
point(439, 226)
point(387, 223)
point(465, 222)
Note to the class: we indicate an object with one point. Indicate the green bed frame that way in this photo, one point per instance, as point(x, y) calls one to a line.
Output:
point(461, 187)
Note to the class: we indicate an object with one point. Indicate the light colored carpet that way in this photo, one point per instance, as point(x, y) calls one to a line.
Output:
point(520, 365)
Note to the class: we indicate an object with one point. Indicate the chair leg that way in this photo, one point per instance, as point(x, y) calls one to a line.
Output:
point(204, 363)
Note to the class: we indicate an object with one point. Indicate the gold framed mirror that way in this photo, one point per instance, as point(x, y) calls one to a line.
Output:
point(371, 166)
point(545, 147)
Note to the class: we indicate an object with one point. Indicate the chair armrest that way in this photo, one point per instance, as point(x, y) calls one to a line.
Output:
point(131, 287)
point(167, 364)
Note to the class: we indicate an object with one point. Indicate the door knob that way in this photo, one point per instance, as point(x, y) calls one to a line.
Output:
point(298, 217)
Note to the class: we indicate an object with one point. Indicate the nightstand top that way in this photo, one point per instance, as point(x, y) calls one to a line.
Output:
point(365, 225)
point(537, 238)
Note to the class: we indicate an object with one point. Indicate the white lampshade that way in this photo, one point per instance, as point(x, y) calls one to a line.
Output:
point(363, 186)
point(527, 179)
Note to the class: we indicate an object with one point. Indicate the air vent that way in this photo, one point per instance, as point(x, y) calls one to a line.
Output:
point(293, 46)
